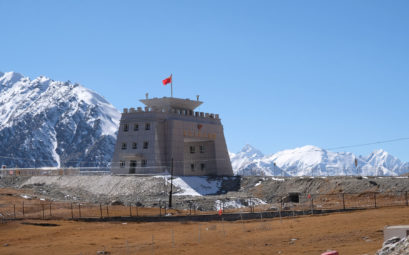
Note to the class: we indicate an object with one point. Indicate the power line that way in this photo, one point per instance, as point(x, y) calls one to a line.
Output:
point(366, 144)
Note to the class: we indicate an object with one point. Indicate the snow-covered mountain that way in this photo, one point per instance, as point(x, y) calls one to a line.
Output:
point(313, 161)
point(52, 123)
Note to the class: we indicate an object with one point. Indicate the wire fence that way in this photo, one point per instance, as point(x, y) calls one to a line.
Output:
point(52, 171)
point(290, 204)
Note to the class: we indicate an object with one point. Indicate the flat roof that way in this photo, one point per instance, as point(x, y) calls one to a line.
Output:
point(171, 103)
point(398, 227)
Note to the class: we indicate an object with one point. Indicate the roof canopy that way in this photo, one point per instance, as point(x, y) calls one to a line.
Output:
point(171, 103)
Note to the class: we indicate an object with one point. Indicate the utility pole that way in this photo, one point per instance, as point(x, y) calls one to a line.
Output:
point(171, 184)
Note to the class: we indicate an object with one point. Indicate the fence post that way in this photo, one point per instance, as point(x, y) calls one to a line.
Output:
point(160, 208)
point(312, 205)
point(107, 211)
point(374, 197)
point(14, 211)
point(281, 203)
point(72, 212)
point(199, 233)
point(173, 239)
point(406, 198)
point(50, 210)
point(42, 205)
point(153, 249)
point(23, 209)
point(137, 211)
point(130, 210)
point(100, 210)
point(343, 200)
point(79, 210)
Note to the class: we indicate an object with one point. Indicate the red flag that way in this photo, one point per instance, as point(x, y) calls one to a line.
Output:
point(167, 80)
point(220, 212)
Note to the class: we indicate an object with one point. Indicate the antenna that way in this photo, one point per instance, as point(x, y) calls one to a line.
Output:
point(197, 97)
point(147, 95)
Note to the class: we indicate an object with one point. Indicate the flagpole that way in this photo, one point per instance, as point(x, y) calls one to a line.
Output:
point(171, 85)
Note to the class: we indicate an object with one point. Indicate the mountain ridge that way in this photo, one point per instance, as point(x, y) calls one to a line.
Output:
point(52, 123)
point(311, 160)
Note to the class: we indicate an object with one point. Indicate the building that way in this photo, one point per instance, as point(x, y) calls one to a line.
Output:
point(169, 128)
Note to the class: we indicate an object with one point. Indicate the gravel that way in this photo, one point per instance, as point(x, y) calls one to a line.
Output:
point(203, 192)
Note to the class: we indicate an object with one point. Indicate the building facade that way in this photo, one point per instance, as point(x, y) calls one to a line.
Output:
point(168, 130)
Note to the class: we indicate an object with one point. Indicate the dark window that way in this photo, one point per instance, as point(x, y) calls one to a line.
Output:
point(124, 146)
point(135, 127)
point(148, 126)
point(132, 166)
point(144, 162)
point(122, 164)
point(145, 145)
point(192, 149)
point(192, 167)
point(126, 127)
point(134, 146)
point(201, 148)
point(202, 166)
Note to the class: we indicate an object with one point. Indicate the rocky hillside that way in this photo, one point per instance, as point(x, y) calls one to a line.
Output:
point(52, 123)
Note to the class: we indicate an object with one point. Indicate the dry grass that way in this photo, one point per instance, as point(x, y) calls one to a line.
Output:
point(350, 233)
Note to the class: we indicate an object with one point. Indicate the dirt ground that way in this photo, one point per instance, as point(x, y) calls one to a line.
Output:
point(359, 232)
point(349, 233)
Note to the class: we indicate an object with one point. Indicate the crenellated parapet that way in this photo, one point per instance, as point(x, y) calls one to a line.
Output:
point(176, 112)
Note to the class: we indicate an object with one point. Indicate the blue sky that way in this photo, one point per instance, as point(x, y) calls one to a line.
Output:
point(281, 74)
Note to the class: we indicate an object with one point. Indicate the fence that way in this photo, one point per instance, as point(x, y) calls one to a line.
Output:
point(72, 171)
point(10, 172)
point(283, 205)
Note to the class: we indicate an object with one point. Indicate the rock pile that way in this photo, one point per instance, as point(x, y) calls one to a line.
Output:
point(395, 246)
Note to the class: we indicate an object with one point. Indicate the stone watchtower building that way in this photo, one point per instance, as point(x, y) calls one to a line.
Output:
point(168, 128)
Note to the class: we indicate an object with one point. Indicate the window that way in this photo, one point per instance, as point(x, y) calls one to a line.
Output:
point(134, 146)
point(132, 166)
point(202, 166)
point(126, 127)
point(124, 146)
point(201, 148)
point(135, 127)
point(145, 145)
point(192, 167)
point(144, 162)
point(192, 149)
point(148, 126)
point(122, 164)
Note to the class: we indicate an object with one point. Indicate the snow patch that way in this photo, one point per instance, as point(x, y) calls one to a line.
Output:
point(195, 186)
point(237, 203)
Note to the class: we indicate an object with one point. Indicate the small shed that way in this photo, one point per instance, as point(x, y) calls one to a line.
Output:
point(401, 231)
